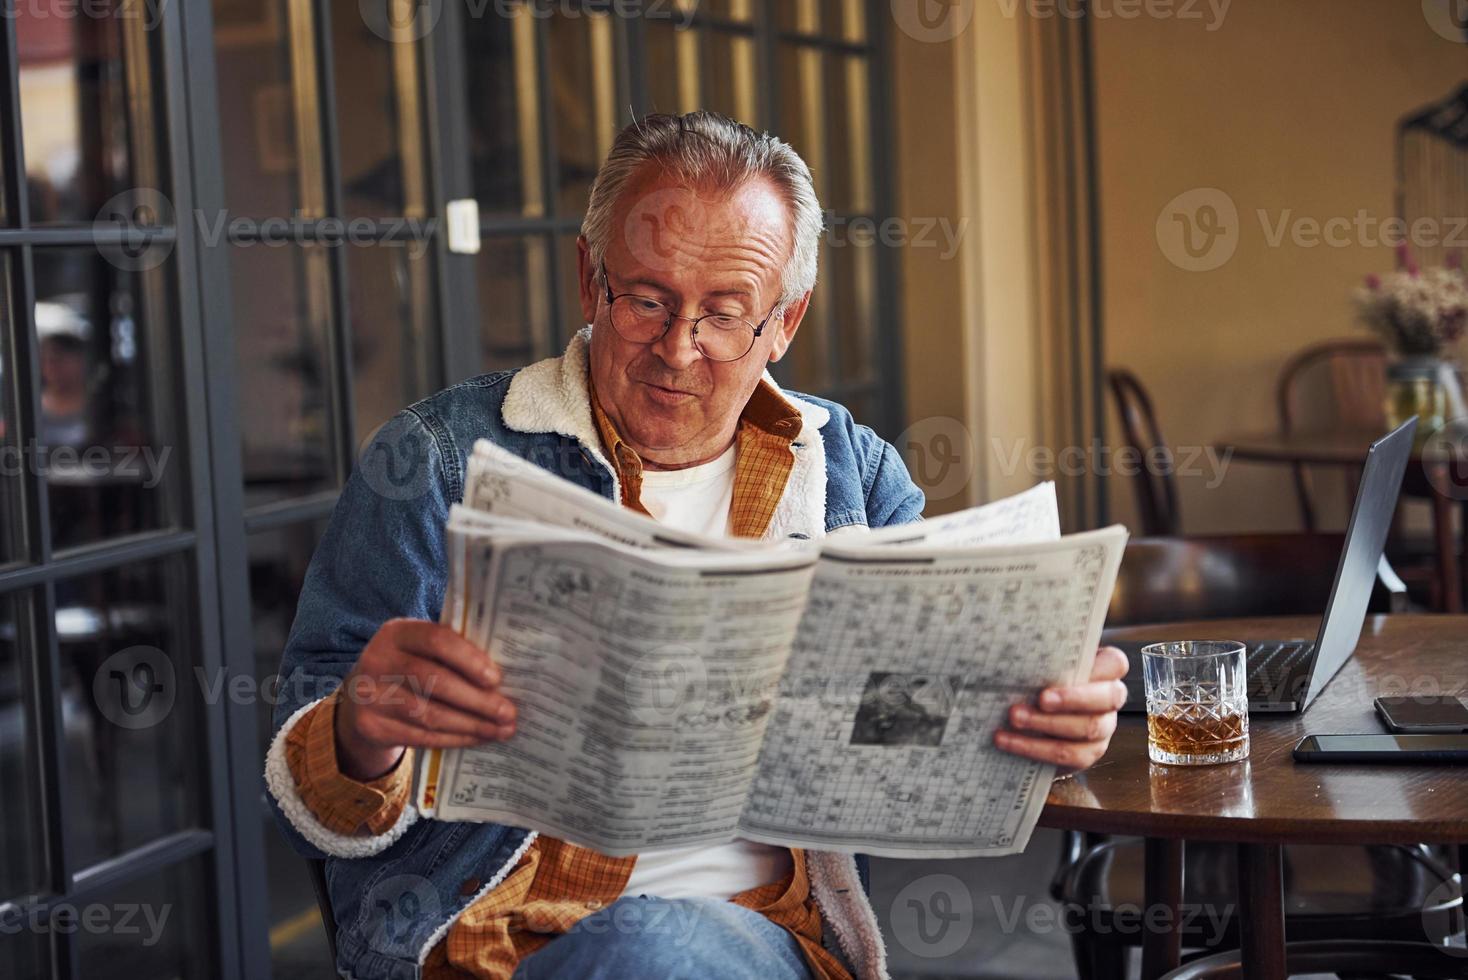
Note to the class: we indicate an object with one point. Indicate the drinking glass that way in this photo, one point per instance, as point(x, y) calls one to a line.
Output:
point(1197, 702)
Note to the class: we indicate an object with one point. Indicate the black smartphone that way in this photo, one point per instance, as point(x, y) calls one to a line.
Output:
point(1424, 715)
point(1382, 748)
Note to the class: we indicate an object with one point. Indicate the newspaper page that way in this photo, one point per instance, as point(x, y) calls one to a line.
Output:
point(643, 680)
point(1031, 515)
point(906, 662)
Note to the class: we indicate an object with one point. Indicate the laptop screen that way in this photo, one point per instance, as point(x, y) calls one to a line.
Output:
point(1371, 519)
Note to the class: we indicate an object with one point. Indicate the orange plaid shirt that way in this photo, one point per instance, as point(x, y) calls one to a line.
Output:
point(556, 884)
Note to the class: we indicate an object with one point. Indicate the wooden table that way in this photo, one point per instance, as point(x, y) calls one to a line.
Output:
point(1268, 800)
point(1437, 472)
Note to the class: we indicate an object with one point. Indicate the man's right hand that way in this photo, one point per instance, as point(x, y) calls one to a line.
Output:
point(417, 685)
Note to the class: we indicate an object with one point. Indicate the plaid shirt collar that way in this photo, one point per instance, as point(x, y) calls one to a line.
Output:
point(767, 426)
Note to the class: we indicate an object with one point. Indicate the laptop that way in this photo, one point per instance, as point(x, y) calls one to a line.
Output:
point(1285, 676)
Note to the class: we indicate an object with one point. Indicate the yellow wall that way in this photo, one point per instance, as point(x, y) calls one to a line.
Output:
point(1286, 107)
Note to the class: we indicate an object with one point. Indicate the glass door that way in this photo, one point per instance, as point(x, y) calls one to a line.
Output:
point(115, 815)
point(546, 86)
point(323, 268)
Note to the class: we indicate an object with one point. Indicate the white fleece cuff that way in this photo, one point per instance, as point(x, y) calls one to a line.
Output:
point(282, 786)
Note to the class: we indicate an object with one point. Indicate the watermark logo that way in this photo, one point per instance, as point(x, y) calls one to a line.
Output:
point(1437, 910)
point(400, 21)
point(149, 11)
point(130, 229)
point(1449, 18)
point(1198, 230)
point(663, 229)
point(1210, 12)
point(938, 454)
point(394, 462)
point(135, 688)
point(395, 909)
point(94, 919)
point(933, 21)
point(665, 684)
point(933, 916)
point(942, 233)
point(1444, 453)
point(412, 234)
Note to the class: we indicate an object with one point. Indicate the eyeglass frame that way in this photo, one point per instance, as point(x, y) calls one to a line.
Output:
point(612, 297)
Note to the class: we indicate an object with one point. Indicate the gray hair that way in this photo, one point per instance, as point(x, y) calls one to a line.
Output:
point(707, 150)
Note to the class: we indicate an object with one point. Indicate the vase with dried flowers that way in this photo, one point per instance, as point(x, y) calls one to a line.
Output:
point(1419, 314)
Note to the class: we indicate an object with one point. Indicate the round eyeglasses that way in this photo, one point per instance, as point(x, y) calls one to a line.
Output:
point(644, 320)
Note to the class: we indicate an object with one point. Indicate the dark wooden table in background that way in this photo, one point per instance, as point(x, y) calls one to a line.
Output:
point(1437, 472)
point(1268, 800)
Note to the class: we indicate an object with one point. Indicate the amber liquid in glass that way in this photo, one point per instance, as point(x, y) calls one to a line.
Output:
point(1182, 732)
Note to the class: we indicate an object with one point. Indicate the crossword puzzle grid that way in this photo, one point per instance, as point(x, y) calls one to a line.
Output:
point(813, 779)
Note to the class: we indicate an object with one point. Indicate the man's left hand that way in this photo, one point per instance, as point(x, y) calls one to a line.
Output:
point(1070, 726)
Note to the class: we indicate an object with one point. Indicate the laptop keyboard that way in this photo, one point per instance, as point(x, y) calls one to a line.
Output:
point(1273, 666)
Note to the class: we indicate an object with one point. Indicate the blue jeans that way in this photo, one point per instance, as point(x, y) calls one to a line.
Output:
point(669, 939)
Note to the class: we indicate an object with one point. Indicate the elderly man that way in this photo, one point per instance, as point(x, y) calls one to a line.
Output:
point(697, 260)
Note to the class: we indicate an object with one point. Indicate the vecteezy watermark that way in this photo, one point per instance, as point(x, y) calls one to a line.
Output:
point(1206, 921)
point(134, 230)
point(681, 12)
point(664, 229)
point(665, 922)
point(135, 688)
point(1200, 230)
point(398, 912)
point(130, 230)
point(400, 21)
point(1449, 18)
point(404, 21)
point(409, 233)
point(933, 916)
point(142, 465)
point(933, 21)
point(149, 11)
point(395, 461)
point(94, 918)
point(894, 232)
point(939, 453)
point(138, 687)
point(1438, 915)
point(1100, 459)
point(943, 457)
point(1445, 459)
point(1210, 12)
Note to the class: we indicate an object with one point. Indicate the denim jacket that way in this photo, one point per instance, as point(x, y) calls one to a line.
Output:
point(396, 894)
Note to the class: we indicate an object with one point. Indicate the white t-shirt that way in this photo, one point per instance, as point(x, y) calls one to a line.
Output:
point(698, 499)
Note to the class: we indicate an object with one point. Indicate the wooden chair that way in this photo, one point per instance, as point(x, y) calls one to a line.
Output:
point(1354, 374)
point(1355, 368)
point(1156, 492)
point(1230, 576)
point(1225, 576)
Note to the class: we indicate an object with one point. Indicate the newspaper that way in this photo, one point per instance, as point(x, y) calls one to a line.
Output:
point(675, 690)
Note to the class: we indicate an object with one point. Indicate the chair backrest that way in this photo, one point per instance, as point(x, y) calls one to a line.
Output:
point(1228, 576)
point(317, 870)
point(1355, 374)
point(1156, 491)
point(1350, 372)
